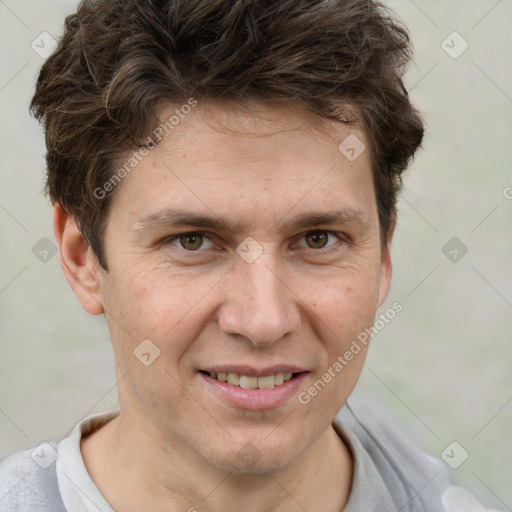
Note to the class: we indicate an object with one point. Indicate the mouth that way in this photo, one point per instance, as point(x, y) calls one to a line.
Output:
point(252, 382)
point(244, 387)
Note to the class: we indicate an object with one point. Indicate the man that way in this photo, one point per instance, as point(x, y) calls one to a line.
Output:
point(224, 177)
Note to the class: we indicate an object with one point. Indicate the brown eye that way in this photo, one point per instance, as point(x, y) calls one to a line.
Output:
point(191, 241)
point(317, 239)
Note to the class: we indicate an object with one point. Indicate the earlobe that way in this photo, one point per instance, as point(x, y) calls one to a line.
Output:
point(78, 262)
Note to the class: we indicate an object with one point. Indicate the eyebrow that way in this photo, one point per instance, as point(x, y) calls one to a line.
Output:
point(172, 218)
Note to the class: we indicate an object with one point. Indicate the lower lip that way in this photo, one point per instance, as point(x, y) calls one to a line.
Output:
point(255, 399)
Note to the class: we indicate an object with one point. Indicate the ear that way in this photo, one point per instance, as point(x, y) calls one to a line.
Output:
point(386, 267)
point(78, 262)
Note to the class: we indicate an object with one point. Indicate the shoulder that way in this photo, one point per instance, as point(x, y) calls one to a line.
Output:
point(416, 481)
point(28, 481)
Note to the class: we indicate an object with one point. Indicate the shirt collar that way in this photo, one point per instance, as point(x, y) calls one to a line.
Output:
point(368, 491)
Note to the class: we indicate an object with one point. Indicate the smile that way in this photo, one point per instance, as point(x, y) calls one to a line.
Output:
point(251, 389)
point(248, 382)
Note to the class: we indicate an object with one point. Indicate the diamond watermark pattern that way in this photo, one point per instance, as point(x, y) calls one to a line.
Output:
point(44, 44)
point(249, 454)
point(249, 250)
point(147, 352)
point(454, 250)
point(352, 147)
point(454, 45)
point(44, 455)
point(44, 250)
point(454, 455)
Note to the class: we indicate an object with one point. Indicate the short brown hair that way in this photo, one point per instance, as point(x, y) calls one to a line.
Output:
point(98, 94)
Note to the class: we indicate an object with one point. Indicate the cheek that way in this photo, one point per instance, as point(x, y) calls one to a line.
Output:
point(341, 317)
point(345, 302)
point(343, 322)
point(161, 306)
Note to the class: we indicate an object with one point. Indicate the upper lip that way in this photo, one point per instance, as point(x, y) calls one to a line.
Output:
point(251, 371)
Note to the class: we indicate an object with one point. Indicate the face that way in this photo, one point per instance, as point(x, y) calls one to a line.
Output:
point(247, 244)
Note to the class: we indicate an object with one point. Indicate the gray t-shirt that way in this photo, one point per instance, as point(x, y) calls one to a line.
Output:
point(390, 473)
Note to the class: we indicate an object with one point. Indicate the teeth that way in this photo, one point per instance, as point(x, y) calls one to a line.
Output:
point(266, 382)
point(234, 379)
point(246, 382)
point(278, 378)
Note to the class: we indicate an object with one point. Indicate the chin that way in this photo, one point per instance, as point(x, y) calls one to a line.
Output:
point(248, 456)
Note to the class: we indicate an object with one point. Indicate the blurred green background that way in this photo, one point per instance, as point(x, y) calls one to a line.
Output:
point(441, 367)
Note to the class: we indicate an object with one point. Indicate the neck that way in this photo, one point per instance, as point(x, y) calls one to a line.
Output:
point(154, 476)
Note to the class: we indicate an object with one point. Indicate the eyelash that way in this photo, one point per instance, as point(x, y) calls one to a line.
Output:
point(324, 250)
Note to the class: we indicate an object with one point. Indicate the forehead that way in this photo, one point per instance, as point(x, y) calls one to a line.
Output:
point(254, 160)
point(252, 131)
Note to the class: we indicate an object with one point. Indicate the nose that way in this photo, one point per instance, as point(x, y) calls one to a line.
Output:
point(259, 304)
